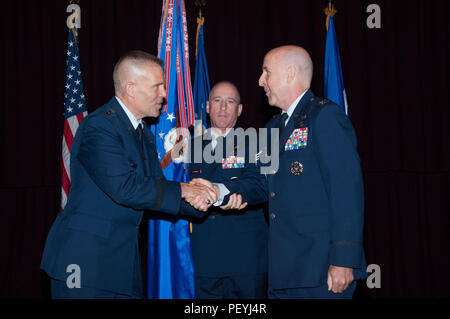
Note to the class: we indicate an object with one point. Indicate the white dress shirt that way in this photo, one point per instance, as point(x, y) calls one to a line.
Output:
point(130, 115)
point(291, 108)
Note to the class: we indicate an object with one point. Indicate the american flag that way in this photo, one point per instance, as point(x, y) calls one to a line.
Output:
point(74, 110)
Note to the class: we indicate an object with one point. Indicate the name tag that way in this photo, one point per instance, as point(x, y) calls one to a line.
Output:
point(297, 140)
point(233, 162)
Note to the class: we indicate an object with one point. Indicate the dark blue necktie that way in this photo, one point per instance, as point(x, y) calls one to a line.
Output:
point(140, 132)
point(282, 125)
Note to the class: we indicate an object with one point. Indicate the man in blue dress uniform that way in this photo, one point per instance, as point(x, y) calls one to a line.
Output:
point(230, 249)
point(316, 199)
point(116, 176)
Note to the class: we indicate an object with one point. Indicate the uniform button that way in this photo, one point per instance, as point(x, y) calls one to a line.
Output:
point(212, 217)
point(272, 216)
point(272, 194)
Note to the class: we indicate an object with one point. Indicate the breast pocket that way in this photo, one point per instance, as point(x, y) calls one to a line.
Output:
point(195, 171)
point(298, 140)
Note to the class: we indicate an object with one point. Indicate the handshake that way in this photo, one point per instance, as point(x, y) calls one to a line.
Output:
point(201, 194)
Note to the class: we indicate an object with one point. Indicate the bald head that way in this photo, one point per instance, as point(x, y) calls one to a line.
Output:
point(224, 106)
point(291, 55)
point(229, 85)
point(130, 68)
point(287, 73)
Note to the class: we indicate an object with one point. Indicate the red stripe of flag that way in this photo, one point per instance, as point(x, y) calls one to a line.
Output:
point(65, 184)
point(169, 41)
point(181, 103)
point(68, 134)
point(80, 117)
point(189, 97)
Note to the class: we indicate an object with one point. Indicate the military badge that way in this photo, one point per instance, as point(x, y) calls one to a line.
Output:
point(296, 168)
point(297, 140)
point(233, 162)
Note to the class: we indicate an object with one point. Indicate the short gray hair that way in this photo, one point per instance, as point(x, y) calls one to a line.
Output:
point(135, 57)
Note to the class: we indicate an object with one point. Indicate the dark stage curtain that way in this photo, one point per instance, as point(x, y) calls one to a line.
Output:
point(396, 78)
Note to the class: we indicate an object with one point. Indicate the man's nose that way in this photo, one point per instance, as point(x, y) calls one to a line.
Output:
point(261, 80)
point(163, 92)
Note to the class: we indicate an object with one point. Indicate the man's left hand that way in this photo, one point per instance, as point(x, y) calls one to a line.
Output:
point(339, 278)
point(235, 202)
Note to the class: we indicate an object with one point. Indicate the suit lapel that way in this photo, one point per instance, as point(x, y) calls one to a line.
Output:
point(150, 154)
point(131, 134)
point(125, 121)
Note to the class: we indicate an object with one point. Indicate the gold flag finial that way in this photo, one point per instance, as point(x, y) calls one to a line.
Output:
point(329, 11)
point(200, 5)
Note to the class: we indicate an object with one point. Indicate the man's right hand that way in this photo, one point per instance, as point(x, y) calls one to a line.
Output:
point(205, 182)
point(201, 197)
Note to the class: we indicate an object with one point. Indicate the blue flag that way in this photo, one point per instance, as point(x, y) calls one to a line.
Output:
point(201, 82)
point(334, 80)
point(170, 261)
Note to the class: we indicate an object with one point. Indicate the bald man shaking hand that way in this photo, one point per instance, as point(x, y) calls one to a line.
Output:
point(316, 200)
point(116, 176)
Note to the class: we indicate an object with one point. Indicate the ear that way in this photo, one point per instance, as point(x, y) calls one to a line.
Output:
point(130, 90)
point(207, 107)
point(291, 72)
point(239, 109)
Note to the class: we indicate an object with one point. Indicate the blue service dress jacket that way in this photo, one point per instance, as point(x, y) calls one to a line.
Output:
point(115, 178)
point(316, 197)
point(228, 243)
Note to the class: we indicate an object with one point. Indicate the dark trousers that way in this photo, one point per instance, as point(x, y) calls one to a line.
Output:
point(232, 287)
point(60, 290)
point(320, 292)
